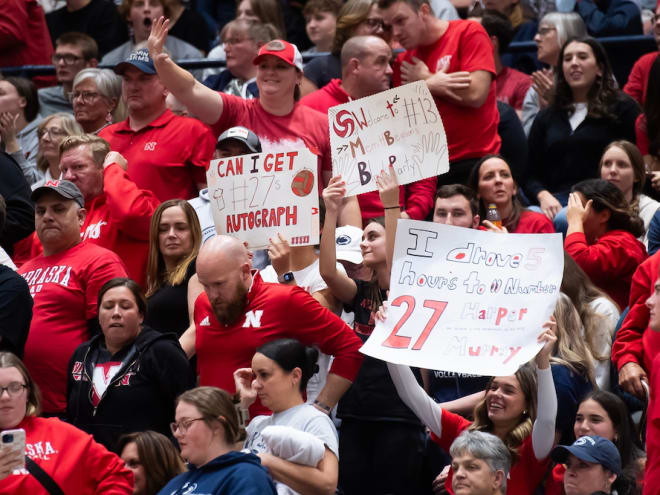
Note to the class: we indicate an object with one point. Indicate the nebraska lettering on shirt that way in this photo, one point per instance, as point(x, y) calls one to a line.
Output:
point(56, 274)
point(262, 218)
point(40, 450)
point(93, 231)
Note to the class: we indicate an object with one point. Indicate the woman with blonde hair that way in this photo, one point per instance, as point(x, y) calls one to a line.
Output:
point(51, 131)
point(174, 241)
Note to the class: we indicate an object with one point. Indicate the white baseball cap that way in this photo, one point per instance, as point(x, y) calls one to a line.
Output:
point(347, 242)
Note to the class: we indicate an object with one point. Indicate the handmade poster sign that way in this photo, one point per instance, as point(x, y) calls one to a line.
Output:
point(399, 127)
point(255, 197)
point(466, 300)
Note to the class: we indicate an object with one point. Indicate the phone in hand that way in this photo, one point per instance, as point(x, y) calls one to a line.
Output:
point(14, 440)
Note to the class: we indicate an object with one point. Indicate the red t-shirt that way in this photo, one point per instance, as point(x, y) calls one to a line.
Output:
point(273, 311)
point(610, 262)
point(72, 458)
point(465, 46)
point(639, 77)
point(525, 475)
point(169, 156)
point(303, 127)
point(64, 287)
point(512, 86)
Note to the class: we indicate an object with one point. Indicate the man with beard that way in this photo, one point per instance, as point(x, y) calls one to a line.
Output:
point(238, 312)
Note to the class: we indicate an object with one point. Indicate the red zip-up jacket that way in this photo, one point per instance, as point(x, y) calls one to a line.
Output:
point(72, 458)
point(633, 343)
point(609, 262)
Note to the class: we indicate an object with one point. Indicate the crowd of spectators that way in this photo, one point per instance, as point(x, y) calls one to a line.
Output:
point(142, 351)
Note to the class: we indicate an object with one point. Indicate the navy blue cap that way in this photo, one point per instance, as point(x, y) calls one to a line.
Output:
point(595, 449)
point(139, 59)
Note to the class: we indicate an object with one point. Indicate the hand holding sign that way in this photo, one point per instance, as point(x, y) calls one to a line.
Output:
point(333, 194)
point(388, 187)
point(549, 339)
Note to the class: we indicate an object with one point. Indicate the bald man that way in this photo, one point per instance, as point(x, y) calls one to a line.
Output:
point(365, 71)
point(238, 312)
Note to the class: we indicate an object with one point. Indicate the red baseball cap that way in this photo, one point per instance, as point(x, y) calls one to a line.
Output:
point(283, 50)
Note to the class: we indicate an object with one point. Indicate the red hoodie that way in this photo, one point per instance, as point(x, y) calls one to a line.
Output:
point(415, 198)
point(72, 458)
point(610, 262)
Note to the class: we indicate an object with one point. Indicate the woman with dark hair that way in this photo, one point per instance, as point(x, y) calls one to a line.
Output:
point(279, 375)
point(622, 164)
point(519, 409)
point(207, 430)
point(586, 113)
point(70, 457)
point(153, 459)
point(598, 314)
point(602, 237)
point(19, 118)
point(355, 18)
point(493, 182)
point(126, 378)
point(174, 241)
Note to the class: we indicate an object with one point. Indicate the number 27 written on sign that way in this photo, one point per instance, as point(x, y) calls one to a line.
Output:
point(401, 341)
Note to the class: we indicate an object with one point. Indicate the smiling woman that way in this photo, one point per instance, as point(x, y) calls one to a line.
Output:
point(127, 378)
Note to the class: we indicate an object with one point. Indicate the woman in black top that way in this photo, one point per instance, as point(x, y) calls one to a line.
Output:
point(174, 240)
point(586, 113)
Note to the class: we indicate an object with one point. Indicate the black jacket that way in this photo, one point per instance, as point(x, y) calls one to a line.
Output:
point(141, 395)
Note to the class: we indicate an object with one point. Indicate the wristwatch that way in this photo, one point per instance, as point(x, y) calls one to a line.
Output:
point(285, 278)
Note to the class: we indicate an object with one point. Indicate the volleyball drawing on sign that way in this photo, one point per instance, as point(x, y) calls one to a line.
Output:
point(255, 197)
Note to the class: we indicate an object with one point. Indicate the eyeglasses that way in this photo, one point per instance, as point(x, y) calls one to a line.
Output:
point(183, 425)
point(85, 96)
point(234, 41)
point(545, 30)
point(375, 23)
point(67, 58)
point(13, 389)
point(53, 132)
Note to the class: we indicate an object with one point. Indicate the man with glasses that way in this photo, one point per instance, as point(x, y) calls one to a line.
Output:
point(639, 75)
point(73, 53)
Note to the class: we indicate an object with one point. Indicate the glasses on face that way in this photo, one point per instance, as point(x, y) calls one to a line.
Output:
point(233, 41)
point(543, 31)
point(375, 23)
point(67, 58)
point(53, 132)
point(85, 96)
point(13, 389)
point(183, 425)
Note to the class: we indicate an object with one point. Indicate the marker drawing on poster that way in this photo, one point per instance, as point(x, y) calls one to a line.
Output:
point(466, 300)
point(255, 197)
point(399, 127)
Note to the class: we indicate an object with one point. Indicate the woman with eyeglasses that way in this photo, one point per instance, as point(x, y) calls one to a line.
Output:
point(68, 456)
point(96, 99)
point(127, 378)
point(51, 131)
point(207, 430)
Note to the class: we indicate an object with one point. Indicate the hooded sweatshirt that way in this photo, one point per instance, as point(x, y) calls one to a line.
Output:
point(234, 473)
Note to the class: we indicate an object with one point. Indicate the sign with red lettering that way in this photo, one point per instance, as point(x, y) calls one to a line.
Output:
point(255, 197)
point(399, 127)
point(467, 301)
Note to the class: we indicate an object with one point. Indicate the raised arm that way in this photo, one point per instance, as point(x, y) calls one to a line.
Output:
point(388, 189)
point(339, 283)
point(201, 101)
point(543, 433)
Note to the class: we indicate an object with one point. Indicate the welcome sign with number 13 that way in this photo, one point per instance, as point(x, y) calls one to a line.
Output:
point(465, 300)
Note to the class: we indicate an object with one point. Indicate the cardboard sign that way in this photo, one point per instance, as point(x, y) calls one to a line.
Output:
point(255, 197)
point(466, 300)
point(400, 126)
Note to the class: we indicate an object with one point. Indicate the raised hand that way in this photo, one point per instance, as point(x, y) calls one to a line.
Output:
point(388, 187)
point(549, 338)
point(279, 253)
point(156, 40)
point(333, 194)
point(243, 378)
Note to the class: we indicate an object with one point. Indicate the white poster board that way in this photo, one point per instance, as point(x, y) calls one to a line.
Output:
point(466, 300)
point(400, 126)
point(255, 197)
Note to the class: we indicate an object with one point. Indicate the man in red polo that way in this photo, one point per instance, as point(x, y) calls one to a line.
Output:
point(166, 154)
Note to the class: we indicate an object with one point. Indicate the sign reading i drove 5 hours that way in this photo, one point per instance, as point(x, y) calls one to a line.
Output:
point(399, 127)
point(255, 197)
point(467, 301)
